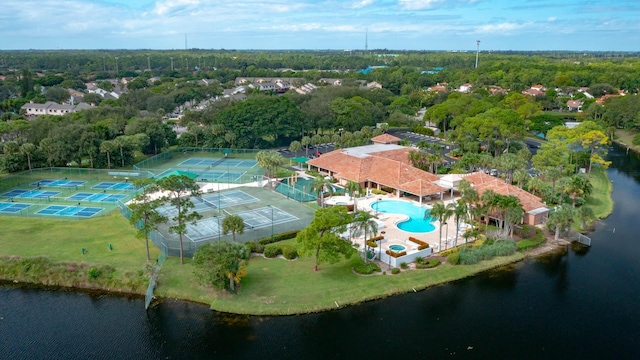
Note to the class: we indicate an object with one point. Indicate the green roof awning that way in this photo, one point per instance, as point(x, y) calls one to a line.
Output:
point(188, 174)
point(301, 159)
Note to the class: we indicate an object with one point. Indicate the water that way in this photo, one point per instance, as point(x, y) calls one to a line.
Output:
point(580, 303)
point(416, 222)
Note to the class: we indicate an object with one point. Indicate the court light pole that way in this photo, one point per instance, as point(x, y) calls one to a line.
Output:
point(219, 229)
point(271, 222)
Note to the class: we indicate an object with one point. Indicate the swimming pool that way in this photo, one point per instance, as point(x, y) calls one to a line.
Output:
point(416, 222)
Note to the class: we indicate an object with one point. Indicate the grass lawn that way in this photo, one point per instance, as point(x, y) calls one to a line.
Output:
point(279, 287)
point(600, 199)
point(63, 240)
point(625, 137)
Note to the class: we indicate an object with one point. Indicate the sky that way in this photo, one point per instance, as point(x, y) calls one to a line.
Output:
point(594, 25)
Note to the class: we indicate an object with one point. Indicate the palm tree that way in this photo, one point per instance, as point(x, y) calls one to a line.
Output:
point(560, 219)
point(363, 223)
point(28, 149)
point(295, 146)
point(233, 224)
point(121, 142)
point(489, 200)
point(353, 188)
point(305, 141)
point(318, 185)
point(520, 176)
point(448, 213)
point(437, 211)
point(534, 185)
point(578, 186)
point(230, 137)
point(586, 216)
point(553, 174)
point(47, 147)
point(512, 216)
point(107, 147)
point(459, 211)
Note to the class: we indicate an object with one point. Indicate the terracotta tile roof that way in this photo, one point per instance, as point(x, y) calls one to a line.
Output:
point(385, 139)
point(482, 182)
point(389, 168)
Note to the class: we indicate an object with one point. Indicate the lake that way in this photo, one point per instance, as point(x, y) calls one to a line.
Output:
point(578, 303)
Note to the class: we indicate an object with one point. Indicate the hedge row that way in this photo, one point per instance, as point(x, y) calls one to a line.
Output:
point(535, 241)
point(423, 245)
point(288, 251)
point(431, 263)
point(472, 255)
point(279, 237)
point(395, 254)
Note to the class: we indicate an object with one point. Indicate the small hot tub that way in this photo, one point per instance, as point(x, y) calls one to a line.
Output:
point(397, 248)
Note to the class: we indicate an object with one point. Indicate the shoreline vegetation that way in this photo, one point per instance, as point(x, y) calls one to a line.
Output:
point(48, 252)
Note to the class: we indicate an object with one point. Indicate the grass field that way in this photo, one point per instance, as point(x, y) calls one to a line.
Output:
point(625, 137)
point(600, 199)
point(63, 240)
point(281, 287)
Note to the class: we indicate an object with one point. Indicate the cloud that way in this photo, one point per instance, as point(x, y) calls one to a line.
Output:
point(503, 28)
point(552, 19)
point(432, 4)
point(361, 4)
point(168, 7)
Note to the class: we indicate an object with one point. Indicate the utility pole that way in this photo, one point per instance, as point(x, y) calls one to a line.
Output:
point(116, 68)
point(477, 52)
point(171, 63)
point(148, 63)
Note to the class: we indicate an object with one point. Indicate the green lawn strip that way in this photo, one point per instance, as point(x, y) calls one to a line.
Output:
point(63, 240)
point(600, 199)
point(280, 287)
point(625, 137)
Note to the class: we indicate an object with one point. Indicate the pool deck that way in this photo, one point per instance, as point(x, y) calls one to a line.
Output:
point(393, 235)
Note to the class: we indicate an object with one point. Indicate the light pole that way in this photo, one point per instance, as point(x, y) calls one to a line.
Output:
point(171, 63)
point(477, 52)
point(219, 229)
point(116, 68)
point(271, 222)
point(148, 63)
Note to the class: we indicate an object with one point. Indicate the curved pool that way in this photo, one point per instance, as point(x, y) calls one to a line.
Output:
point(416, 222)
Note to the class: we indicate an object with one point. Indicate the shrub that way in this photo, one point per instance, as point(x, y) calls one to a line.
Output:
point(448, 252)
point(93, 273)
point(289, 252)
point(423, 245)
point(453, 258)
point(367, 268)
point(504, 248)
point(404, 265)
point(636, 139)
point(395, 254)
point(470, 255)
point(526, 244)
point(419, 260)
point(378, 192)
point(255, 247)
point(279, 237)
point(272, 251)
point(431, 263)
point(395, 271)
point(371, 244)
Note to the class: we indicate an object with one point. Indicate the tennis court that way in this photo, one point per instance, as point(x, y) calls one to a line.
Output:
point(213, 162)
point(97, 197)
point(61, 210)
point(58, 183)
point(229, 198)
point(30, 194)
point(114, 186)
point(210, 228)
point(262, 217)
point(12, 207)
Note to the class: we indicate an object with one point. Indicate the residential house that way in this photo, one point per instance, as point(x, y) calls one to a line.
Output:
point(438, 88)
point(52, 108)
point(574, 105)
point(465, 88)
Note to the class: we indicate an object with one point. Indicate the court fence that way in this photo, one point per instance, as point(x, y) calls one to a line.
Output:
point(157, 161)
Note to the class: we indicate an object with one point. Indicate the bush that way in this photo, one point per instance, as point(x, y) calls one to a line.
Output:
point(395, 271)
point(395, 254)
point(272, 251)
point(289, 252)
point(93, 273)
point(367, 268)
point(419, 260)
point(448, 252)
point(431, 263)
point(470, 256)
point(279, 237)
point(404, 265)
point(255, 247)
point(504, 248)
point(453, 258)
point(636, 139)
point(535, 241)
point(423, 245)
point(378, 192)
